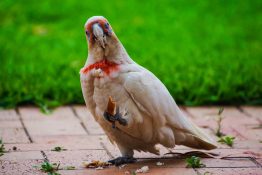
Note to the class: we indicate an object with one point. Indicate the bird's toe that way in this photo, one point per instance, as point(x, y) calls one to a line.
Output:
point(122, 160)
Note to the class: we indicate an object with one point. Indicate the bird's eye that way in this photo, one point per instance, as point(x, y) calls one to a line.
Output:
point(87, 34)
point(107, 25)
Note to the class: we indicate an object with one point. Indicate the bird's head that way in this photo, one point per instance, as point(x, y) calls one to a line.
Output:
point(102, 41)
point(98, 31)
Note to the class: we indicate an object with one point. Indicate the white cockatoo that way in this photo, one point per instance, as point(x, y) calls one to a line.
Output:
point(147, 114)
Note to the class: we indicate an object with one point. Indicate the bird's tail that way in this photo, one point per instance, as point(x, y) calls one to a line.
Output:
point(194, 137)
point(197, 142)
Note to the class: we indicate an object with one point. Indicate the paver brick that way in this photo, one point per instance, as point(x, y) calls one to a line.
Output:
point(90, 172)
point(228, 162)
point(246, 144)
point(12, 131)
point(72, 139)
point(111, 148)
point(230, 171)
point(91, 125)
point(170, 166)
point(259, 161)
point(48, 127)
point(76, 157)
point(34, 113)
point(11, 124)
point(234, 123)
point(20, 167)
point(67, 142)
point(13, 135)
point(127, 170)
point(31, 155)
point(8, 114)
point(254, 111)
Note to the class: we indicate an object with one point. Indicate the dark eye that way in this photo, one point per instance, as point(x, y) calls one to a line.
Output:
point(87, 34)
point(107, 25)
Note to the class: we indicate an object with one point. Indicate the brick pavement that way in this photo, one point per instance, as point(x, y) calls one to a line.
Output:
point(29, 136)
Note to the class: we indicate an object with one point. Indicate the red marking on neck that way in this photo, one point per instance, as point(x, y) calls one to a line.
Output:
point(105, 65)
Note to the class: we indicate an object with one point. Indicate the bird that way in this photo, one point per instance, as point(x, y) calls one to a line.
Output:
point(143, 112)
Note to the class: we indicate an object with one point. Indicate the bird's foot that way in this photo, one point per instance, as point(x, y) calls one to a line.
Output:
point(122, 160)
point(113, 118)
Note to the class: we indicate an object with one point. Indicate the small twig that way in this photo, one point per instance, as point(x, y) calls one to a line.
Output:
point(45, 156)
point(219, 122)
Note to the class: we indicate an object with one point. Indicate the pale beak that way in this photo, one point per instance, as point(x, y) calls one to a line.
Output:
point(99, 35)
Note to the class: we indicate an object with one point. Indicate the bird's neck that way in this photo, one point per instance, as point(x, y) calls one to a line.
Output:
point(114, 52)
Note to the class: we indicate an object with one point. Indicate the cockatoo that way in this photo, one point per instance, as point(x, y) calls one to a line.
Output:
point(146, 112)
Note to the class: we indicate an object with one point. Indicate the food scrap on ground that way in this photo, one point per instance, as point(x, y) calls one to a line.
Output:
point(144, 169)
point(99, 168)
point(122, 166)
point(159, 163)
point(96, 164)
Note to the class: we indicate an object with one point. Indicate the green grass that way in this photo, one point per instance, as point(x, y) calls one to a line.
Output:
point(228, 140)
point(206, 52)
point(194, 162)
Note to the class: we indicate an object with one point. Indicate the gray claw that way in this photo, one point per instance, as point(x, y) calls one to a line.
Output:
point(122, 160)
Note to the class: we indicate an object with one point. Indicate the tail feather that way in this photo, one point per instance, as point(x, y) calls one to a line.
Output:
point(194, 137)
point(198, 143)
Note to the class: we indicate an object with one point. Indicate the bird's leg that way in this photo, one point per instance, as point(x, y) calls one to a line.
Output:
point(114, 118)
point(122, 160)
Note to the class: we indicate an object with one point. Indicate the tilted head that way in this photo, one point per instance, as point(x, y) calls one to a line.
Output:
point(102, 41)
point(98, 30)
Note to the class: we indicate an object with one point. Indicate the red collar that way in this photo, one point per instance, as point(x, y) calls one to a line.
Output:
point(105, 65)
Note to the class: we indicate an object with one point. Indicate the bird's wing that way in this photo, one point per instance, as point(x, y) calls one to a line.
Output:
point(152, 98)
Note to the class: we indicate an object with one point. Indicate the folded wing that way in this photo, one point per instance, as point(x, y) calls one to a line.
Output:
point(172, 126)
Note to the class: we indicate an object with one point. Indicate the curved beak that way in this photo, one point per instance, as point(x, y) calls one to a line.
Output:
point(99, 35)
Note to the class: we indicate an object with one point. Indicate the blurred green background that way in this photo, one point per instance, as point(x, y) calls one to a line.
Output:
point(206, 52)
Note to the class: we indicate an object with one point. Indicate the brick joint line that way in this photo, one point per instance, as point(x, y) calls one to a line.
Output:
point(255, 162)
point(23, 124)
point(188, 113)
point(249, 115)
point(197, 172)
point(81, 121)
point(107, 151)
point(44, 156)
point(243, 111)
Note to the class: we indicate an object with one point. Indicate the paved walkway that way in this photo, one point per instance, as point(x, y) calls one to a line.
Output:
point(29, 136)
